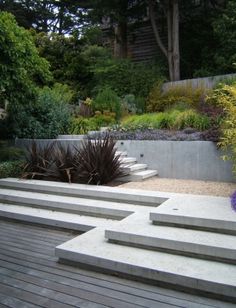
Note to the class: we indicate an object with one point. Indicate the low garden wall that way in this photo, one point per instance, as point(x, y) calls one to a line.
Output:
point(197, 160)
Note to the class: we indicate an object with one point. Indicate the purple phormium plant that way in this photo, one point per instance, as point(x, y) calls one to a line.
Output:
point(233, 201)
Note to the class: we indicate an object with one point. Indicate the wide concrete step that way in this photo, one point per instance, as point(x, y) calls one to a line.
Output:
point(52, 218)
point(132, 168)
point(194, 243)
point(90, 249)
point(141, 175)
point(106, 193)
point(81, 206)
point(206, 213)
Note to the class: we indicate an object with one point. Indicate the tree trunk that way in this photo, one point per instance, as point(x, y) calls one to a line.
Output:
point(175, 32)
point(120, 44)
point(171, 52)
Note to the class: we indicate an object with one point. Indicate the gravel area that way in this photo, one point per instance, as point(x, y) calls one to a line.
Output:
point(184, 186)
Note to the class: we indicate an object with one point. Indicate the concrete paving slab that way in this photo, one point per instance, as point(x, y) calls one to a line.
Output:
point(75, 205)
point(205, 212)
point(136, 230)
point(92, 249)
point(52, 218)
point(149, 198)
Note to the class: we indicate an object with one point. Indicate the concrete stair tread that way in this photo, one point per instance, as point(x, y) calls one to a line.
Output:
point(145, 173)
point(134, 167)
point(121, 153)
point(127, 160)
point(179, 240)
point(107, 193)
point(206, 212)
point(93, 250)
point(139, 175)
point(70, 204)
point(54, 218)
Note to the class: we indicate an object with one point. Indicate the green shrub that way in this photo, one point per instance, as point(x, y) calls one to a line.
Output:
point(81, 126)
point(225, 97)
point(167, 120)
point(107, 100)
point(185, 95)
point(11, 168)
point(10, 153)
point(47, 117)
point(190, 118)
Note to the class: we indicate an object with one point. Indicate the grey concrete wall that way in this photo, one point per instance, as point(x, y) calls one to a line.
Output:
point(197, 160)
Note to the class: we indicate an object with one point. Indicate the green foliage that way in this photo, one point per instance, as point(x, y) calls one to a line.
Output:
point(167, 120)
point(224, 28)
point(107, 100)
point(9, 153)
point(225, 97)
point(21, 71)
point(46, 118)
point(82, 125)
point(11, 168)
point(185, 95)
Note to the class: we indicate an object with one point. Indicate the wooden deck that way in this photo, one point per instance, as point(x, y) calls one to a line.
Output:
point(31, 277)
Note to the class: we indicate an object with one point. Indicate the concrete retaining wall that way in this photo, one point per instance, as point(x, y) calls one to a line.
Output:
point(197, 160)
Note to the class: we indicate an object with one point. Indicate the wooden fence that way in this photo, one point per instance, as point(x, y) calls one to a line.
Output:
point(206, 82)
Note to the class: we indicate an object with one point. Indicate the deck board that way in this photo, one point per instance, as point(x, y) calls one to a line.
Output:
point(31, 277)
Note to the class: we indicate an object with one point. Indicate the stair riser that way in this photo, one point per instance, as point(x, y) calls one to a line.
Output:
point(100, 193)
point(133, 168)
point(173, 246)
point(225, 227)
point(218, 290)
point(67, 207)
point(47, 222)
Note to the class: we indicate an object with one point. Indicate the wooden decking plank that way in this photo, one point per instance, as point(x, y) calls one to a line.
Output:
point(10, 301)
point(29, 238)
point(121, 295)
point(171, 299)
point(58, 297)
point(108, 283)
point(29, 228)
point(9, 247)
point(30, 297)
point(70, 290)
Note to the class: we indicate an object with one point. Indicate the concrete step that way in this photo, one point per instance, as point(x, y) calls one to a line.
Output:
point(128, 160)
point(123, 195)
point(52, 218)
point(131, 168)
point(185, 273)
point(81, 206)
point(197, 212)
point(139, 175)
point(193, 243)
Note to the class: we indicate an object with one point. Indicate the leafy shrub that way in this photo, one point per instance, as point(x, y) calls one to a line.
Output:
point(167, 120)
point(188, 95)
point(46, 118)
point(11, 168)
point(132, 104)
point(107, 99)
point(191, 118)
point(9, 153)
point(97, 162)
point(39, 161)
point(225, 97)
point(81, 126)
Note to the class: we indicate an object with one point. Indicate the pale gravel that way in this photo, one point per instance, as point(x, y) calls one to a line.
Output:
point(184, 186)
